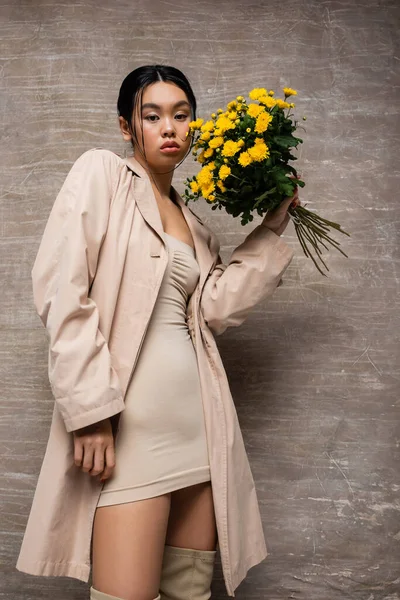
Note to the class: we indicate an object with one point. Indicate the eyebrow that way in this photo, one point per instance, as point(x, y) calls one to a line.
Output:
point(153, 105)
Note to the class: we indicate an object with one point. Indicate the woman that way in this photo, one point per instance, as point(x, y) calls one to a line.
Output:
point(131, 287)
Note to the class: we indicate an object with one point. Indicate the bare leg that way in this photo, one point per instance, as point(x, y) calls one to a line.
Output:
point(128, 546)
point(192, 519)
point(190, 548)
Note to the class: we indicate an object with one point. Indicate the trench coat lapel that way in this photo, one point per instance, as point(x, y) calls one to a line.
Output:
point(147, 205)
point(146, 201)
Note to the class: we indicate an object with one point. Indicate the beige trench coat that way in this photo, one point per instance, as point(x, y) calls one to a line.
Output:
point(95, 281)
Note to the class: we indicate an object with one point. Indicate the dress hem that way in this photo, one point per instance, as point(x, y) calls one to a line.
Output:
point(158, 487)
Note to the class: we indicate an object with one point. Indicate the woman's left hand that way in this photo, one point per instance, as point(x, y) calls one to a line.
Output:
point(278, 219)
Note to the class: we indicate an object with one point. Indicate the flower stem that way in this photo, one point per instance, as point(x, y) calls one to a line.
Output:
point(312, 229)
point(306, 251)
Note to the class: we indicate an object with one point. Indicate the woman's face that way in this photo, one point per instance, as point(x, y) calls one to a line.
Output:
point(166, 114)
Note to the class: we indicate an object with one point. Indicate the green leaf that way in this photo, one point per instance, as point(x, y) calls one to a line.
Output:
point(284, 140)
point(263, 196)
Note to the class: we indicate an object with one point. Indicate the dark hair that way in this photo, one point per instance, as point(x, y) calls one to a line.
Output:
point(135, 83)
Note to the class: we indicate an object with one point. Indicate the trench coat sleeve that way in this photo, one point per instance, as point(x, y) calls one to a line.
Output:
point(253, 273)
point(84, 383)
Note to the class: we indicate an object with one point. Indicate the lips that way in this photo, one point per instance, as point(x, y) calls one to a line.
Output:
point(170, 145)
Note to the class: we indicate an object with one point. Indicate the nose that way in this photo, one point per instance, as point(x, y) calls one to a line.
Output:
point(168, 126)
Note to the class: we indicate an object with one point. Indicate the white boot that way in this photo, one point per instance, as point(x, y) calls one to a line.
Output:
point(186, 573)
point(97, 595)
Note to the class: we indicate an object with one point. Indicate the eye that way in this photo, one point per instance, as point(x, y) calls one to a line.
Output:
point(150, 117)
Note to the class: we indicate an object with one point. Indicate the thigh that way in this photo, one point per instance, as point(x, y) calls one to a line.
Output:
point(128, 546)
point(192, 519)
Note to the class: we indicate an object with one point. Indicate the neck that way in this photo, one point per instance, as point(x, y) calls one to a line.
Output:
point(161, 182)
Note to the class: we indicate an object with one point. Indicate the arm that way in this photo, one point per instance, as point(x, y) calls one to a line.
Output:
point(83, 381)
point(253, 273)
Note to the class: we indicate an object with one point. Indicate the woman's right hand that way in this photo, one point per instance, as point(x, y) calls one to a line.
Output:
point(94, 449)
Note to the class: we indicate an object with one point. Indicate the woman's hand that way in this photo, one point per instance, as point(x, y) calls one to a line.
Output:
point(94, 449)
point(278, 219)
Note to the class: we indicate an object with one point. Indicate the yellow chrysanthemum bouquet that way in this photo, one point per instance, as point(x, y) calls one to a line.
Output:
point(245, 154)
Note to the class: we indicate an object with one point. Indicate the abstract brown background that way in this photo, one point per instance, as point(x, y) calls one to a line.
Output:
point(324, 440)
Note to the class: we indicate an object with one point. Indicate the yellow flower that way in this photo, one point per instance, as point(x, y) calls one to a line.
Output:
point(263, 120)
point(195, 186)
point(254, 110)
point(232, 115)
point(211, 197)
point(240, 143)
point(208, 126)
point(248, 129)
point(216, 142)
point(211, 165)
point(244, 159)
point(257, 92)
point(267, 101)
point(271, 92)
point(259, 140)
point(196, 124)
point(230, 148)
point(207, 189)
point(289, 92)
point(231, 105)
point(208, 153)
point(213, 115)
point(201, 158)
point(282, 103)
point(205, 136)
point(259, 152)
point(221, 186)
point(224, 123)
point(204, 177)
point(219, 110)
point(240, 98)
point(224, 171)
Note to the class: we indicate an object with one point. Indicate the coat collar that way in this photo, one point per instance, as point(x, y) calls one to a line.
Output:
point(147, 204)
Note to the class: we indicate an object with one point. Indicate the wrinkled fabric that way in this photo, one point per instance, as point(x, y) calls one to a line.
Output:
point(95, 281)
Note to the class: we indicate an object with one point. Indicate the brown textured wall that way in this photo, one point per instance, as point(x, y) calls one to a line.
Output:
point(315, 370)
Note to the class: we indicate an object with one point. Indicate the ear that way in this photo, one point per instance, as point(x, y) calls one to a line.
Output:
point(126, 134)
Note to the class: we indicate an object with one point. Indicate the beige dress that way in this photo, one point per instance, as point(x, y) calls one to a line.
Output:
point(161, 444)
